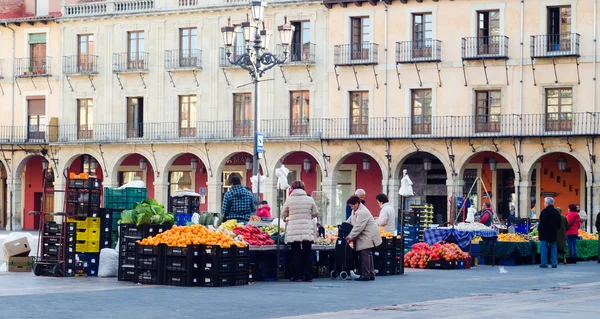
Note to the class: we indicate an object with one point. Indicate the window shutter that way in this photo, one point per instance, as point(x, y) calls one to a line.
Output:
point(36, 107)
point(37, 38)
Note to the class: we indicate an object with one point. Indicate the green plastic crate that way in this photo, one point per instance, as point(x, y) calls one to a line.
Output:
point(123, 198)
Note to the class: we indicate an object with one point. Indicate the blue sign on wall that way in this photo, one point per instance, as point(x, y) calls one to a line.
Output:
point(260, 143)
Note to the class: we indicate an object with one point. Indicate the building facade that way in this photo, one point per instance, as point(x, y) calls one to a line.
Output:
point(477, 100)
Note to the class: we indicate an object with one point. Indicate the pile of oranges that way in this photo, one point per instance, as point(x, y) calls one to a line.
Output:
point(511, 238)
point(384, 233)
point(587, 236)
point(181, 236)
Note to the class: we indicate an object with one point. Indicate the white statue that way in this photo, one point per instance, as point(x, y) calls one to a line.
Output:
point(406, 185)
point(255, 186)
point(282, 173)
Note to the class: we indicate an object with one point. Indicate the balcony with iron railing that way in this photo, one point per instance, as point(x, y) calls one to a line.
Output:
point(183, 59)
point(32, 67)
point(356, 54)
point(492, 47)
point(298, 53)
point(555, 45)
point(126, 7)
point(419, 51)
point(130, 62)
point(236, 51)
point(430, 127)
point(83, 64)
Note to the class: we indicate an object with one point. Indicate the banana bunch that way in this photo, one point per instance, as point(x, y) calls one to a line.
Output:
point(231, 224)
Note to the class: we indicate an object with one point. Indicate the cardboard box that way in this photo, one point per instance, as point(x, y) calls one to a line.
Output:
point(17, 248)
point(18, 264)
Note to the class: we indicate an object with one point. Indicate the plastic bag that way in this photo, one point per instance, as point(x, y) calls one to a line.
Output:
point(196, 219)
point(109, 263)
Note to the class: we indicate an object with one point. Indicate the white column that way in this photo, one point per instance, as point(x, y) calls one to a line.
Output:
point(17, 208)
point(455, 187)
point(523, 189)
point(328, 186)
point(394, 198)
point(593, 213)
point(161, 193)
point(60, 184)
point(215, 187)
point(270, 194)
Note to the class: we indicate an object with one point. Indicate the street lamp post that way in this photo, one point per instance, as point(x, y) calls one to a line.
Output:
point(257, 60)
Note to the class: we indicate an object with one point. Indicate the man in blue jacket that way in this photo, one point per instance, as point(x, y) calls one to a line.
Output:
point(361, 194)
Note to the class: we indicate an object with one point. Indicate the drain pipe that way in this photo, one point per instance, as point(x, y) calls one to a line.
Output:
point(12, 128)
point(591, 211)
point(385, 86)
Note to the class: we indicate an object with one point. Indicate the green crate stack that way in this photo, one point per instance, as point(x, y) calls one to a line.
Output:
point(426, 217)
point(119, 200)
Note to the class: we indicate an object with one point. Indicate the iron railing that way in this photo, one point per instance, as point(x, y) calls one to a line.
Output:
point(299, 53)
point(493, 47)
point(130, 62)
point(419, 51)
point(183, 59)
point(30, 67)
point(80, 64)
point(555, 45)
point(236, 52)
point(498, 126)
point(356, 54)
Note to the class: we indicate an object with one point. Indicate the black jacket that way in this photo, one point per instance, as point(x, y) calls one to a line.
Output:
point(549, 224)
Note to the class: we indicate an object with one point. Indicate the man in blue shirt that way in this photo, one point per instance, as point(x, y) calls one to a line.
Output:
point(238, 202)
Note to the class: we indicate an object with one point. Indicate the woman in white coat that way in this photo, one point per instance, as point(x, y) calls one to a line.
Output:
point(386, 218)
point(299, 211)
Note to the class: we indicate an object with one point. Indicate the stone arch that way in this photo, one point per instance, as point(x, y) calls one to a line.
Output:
point(222, 160)
point(24, 161)
point(312, 151)
point(172, 156)
point(341, 157)
point(72, 156)
point(464, 160)
point(532, 160)
point(408, 152)
point(118, 160)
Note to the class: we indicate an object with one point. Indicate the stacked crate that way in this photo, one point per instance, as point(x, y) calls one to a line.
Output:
point(88, 234)
point(106, 220)
point(70, 249)
point(184, 207)
point(83, 198)
point(55, 247)
point(183, 266)
point(414, 224)
point(385, 257)
point(118, 200)
point(128, 235)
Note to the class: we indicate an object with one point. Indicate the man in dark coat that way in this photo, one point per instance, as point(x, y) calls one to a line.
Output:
point(548, 227)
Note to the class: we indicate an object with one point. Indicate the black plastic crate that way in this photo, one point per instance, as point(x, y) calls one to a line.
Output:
point(186, 279)
point(51, 241)
point(90, 183)
point(217, 266)
point(130, 230)
point(241, 252)
point(142, 250)
point(148, 277)
point(241, 266)
point(185, 201)
point(388, 271)
point(388, 242)
point(190, 250)
point(384, 254)
point(52, 229)
point(239, 280)
point(126, 273)
point(127, 245)
point(153, 230)
point(188, 263)
point(147, 262)
point(71, 228)
point(209, 251)
point(216, 280)
point(388, 263)
point(51, 250)
point(127, 258)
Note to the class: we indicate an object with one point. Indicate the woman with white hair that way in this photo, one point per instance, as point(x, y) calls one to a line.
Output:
point(361, 194)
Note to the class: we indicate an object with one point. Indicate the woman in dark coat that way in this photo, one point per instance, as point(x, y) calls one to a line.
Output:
point(561, 236)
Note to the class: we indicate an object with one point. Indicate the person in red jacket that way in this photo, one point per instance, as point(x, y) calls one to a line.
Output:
point(574, 221)
point(264, 210)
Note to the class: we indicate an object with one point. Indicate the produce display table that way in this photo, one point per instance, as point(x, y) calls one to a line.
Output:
point(509, 250)
point(585, 248)
point(461, 237)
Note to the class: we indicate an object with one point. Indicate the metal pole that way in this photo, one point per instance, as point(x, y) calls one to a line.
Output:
point(256, 77)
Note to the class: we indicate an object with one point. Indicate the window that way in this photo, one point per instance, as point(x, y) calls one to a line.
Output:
point(360, 37)
point(559, 109)
point(135, 50)
point(242, 114)
point(188, 47)
point(42, 7)
point(359, 112)
point(87, 166)
point(187, 115)
point(488, 32)
point(559, 28)
point(421, 111)
point(135, 117)
point(179, 181)
point(85, 118)
point(422, 34)
point(36, 118)
point(85, 54)
point(239, 45)
point(300, 50)
point(488, 110)
point(37, 53)
point(300, 112)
